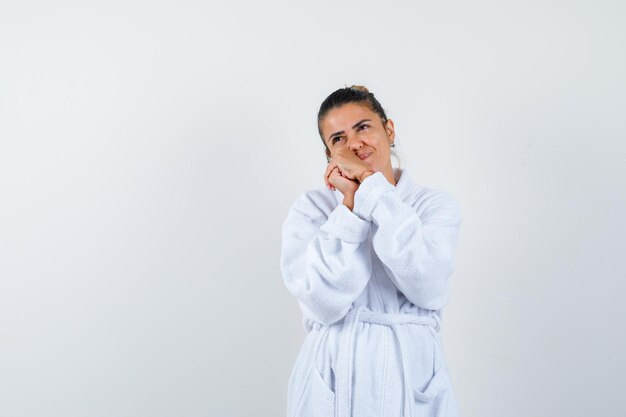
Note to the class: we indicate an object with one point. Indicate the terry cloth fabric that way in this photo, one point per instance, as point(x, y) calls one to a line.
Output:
point(371, 284)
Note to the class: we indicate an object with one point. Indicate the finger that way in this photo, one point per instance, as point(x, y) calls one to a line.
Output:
point(329, 170)
point(332, 173)
point(324, 177)
point(326, 174)
point(336, 171)
point(329, 173)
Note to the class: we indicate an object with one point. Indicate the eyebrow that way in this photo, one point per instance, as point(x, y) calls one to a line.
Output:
point(353, 127)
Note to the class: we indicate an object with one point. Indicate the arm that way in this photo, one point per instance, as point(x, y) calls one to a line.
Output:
point(417, 250)
point(325, 260)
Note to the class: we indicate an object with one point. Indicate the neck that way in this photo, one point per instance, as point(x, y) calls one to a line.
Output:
point(388, 173)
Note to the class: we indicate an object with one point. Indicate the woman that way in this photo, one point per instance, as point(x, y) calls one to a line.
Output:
point(368, 259)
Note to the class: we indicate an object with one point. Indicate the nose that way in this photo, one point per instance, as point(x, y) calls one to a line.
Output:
point(353, 142)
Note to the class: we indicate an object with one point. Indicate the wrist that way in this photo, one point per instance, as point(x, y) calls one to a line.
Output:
point(348, 201)
point(365, 174)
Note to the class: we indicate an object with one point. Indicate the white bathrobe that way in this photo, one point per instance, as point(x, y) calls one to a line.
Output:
point(371, 284)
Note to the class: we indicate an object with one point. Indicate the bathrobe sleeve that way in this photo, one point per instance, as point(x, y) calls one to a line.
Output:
point(417, 251)
point(325, 258)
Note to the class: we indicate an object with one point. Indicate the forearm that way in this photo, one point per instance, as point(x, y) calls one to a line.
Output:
point(348, 200)
point(325, 258)
point(416, 249)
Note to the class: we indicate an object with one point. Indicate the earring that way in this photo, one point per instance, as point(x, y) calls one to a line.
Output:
point(393, 145)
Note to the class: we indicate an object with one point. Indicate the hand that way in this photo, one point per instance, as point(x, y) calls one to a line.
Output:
point(350, 165)
point(335, 180)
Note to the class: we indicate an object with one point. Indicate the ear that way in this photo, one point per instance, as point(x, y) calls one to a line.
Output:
point(390, 129)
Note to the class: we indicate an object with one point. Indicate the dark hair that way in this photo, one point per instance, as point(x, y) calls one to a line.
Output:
point(353, 94)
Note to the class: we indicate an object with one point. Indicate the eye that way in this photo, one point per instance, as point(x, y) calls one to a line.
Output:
point(333, 139)
point(363, 126)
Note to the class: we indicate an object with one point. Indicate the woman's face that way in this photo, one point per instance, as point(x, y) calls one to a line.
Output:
point(360, 129)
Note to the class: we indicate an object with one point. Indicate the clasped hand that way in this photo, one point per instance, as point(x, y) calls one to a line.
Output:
point(344, 170)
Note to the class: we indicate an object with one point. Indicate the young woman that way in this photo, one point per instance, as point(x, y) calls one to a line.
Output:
point(368, 258)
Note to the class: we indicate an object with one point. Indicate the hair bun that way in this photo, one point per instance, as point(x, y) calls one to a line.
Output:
point(360, 88)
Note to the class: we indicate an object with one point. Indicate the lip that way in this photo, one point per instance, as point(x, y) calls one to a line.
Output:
point(365, 156)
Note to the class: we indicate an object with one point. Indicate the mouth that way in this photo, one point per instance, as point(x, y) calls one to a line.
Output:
point(363, 157)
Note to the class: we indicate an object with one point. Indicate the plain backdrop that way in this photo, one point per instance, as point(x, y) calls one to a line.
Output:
point(149, 152)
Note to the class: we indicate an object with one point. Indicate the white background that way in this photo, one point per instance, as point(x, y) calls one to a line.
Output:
point(149, 152)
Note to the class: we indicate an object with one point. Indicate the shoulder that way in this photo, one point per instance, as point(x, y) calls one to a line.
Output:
point(433, 202)
point(441, 198)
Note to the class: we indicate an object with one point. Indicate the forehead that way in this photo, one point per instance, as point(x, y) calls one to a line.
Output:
point(342, 118)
